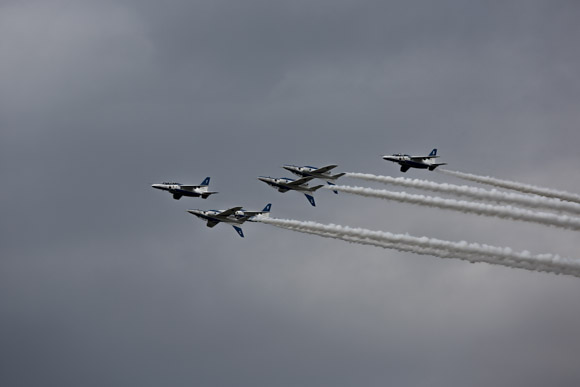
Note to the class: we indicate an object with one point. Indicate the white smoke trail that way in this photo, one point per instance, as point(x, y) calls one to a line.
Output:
point(472, 252)
point(525, 188)
point(474, 192)
point(505, 212)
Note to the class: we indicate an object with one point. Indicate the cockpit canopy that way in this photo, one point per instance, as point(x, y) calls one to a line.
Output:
point(170, 183)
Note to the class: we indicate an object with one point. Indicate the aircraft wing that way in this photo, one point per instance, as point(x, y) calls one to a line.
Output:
point(212, 222)
point(324, 169)
point(229, 212)
point(300, 181)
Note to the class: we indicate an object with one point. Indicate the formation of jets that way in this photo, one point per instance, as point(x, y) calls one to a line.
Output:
point(421, 162)
point(236, 216)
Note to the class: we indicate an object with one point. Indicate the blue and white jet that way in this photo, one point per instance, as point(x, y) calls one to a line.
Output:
point(421, 162)
point(236, 216)
point(318, 173)
point(178, 190)
point(284, 184)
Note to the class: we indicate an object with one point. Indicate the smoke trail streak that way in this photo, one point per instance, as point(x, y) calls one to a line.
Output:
point(525, 188)
point(474, 192)
point(471, 252)
point(394, 246)
point(505, 212)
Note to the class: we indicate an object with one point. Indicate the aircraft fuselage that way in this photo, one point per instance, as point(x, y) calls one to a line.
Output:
point(176, 189)
point(282, 184)
point(420, 162)
point(237, 217)
point(407, 161)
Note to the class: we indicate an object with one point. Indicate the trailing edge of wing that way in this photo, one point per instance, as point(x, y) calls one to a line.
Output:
point(229, 211)
point(300, 181)
point(324, 169)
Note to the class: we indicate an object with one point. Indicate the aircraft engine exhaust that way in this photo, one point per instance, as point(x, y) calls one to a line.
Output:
point(474, 192)
point(504, 212)
point(525, 188)
point(471, 252)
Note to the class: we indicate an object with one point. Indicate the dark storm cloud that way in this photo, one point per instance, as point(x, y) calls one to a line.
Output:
point(105, 281)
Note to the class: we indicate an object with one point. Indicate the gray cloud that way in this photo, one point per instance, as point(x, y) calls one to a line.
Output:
point(105, 281)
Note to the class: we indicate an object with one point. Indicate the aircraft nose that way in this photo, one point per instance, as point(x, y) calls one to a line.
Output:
point(158, 186)
point(262, 179)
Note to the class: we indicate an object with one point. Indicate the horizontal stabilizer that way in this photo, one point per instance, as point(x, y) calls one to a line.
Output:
point(335, 191)
point(205, 195)
point(334, 177)
point(316, 188)
point(433, 166)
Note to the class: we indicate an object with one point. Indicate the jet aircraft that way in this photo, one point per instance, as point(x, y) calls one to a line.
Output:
point(235, 216)
point(178, 190)
point(318, 173)
point(284, 184)
point(422, 162)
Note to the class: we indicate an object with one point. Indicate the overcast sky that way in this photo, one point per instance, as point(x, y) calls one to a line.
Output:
point(105, 281)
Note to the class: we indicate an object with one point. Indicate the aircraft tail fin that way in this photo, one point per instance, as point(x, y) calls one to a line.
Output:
point(205, 181)
point(433, 152)
point(267, 208)
point(335, 191)
point(239, 231)
point(310, 199)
